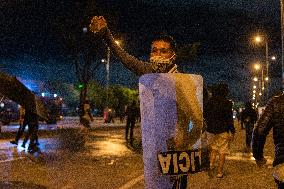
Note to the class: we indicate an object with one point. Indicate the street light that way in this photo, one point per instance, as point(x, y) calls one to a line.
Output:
point(85, 29)
point(257, 66)
point(117, 42)
point(107, 62)
point(259, 39)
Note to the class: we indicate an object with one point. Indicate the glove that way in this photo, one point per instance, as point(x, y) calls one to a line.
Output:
point(98, 24)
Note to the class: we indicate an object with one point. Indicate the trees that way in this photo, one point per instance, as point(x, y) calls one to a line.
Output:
point(80, 46)
point(118, 97)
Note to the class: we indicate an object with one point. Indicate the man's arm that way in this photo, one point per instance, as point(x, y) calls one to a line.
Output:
point(99, 25)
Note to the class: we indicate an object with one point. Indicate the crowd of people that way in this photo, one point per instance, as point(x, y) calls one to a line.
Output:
point(218, 114)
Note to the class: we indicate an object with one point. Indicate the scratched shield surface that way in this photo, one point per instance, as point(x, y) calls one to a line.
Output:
point(171, 119)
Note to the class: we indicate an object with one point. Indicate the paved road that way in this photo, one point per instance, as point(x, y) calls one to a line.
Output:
point(106, 162)
point(67, 122)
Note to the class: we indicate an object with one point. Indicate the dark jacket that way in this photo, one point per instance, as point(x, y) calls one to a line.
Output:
point(132, 111)
point(273, 117)
point(218, 115)
point(248, 115)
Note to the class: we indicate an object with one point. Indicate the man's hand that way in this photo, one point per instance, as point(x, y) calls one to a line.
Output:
point(261, 162)
point(98, 24)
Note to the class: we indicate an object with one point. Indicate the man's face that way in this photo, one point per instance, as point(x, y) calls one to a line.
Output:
point(162, 49)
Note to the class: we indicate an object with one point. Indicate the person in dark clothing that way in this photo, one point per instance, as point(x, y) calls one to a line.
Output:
point(248, 119)
point(220, 129)
point(22, 126)
point(273, 117)
point(31, 119)
point(26, 119)
point(132, 113)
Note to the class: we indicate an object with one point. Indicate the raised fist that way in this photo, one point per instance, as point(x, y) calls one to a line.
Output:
point(98, 24)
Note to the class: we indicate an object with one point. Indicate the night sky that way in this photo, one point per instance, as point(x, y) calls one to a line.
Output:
point(33, 37)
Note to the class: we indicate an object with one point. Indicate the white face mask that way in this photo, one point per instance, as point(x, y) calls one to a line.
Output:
point(160, 60)
point(160, 64)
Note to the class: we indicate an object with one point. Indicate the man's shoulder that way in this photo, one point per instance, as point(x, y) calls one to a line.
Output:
point(278, 99)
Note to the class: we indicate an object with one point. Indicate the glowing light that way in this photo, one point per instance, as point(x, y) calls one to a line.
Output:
point(258, 39)
point(254, 86)
point(117, 42)
point(273, 58)
point(257, 66)
point(85, 29)
point(255, 79)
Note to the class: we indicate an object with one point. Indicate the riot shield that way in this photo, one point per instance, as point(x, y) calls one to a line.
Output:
point(171, 119)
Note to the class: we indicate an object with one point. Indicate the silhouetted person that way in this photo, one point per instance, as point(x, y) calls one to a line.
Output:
point(273, 117)
point(132, 113)
point(22, 126)
point(248, 119)
point(31, 119)
point(220, 129)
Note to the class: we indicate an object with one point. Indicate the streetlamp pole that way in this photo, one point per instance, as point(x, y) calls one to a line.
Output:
point(107, 74)
point(107, 70)
point(266, 58)
point(267, 68)
point(282, 39)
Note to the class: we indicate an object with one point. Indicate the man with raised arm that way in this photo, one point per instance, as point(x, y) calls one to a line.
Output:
point(162, 57)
